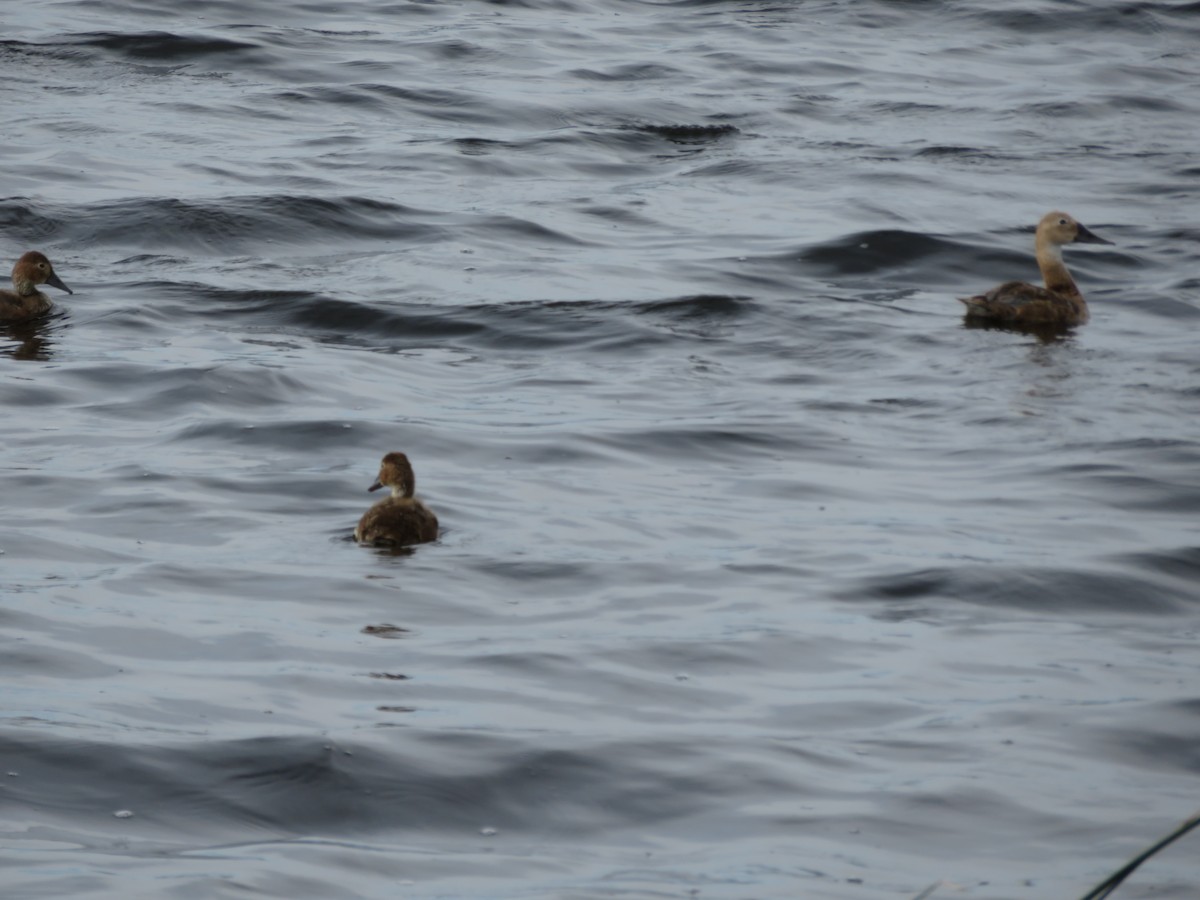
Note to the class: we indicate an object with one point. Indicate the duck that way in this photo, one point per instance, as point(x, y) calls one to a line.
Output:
point(400, 519)
point(27, 302)
point(1059, 302)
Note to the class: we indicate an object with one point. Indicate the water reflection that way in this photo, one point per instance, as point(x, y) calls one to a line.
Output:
point(1046, 333)
point(28, 340)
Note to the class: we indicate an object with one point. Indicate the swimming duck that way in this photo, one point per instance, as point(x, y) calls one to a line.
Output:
point(1059, 302)
point(27, 301)
point(401, 518)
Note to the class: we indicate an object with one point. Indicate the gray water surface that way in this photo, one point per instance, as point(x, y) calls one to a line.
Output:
point(761, 575)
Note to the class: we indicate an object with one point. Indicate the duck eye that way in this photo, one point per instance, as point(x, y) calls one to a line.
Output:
point(1062, 221)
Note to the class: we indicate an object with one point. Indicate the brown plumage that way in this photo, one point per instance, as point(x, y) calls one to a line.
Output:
point(1059, 302)
point(401, 518)
point(27, 302)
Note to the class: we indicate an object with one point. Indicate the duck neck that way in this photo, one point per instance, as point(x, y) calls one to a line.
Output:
point(1054, 271)
point(25, 286)
point(400, 492)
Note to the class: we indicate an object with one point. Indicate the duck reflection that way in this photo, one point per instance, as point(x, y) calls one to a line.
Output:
point(1045, 332)
point(30, 339)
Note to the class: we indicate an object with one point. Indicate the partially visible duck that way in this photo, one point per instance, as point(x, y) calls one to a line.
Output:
point(401, 518)
point(27, 301)
point(1059, 302)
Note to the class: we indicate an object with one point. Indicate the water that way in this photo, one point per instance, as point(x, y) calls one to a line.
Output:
point(761, 575)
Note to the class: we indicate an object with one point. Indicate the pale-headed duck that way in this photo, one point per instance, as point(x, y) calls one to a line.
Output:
point(1059, 302)
point(401, 518)
point(27, 302)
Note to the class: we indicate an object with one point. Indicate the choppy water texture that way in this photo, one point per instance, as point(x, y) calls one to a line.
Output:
point(761, 575)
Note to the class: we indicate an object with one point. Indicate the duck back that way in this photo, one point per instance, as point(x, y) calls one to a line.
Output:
point(396, 521)
point(1021, 303)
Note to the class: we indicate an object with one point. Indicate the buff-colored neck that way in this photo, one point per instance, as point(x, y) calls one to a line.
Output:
point(1054, 271)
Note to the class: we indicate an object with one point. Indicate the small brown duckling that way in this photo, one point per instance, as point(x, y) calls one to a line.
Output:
point(27, 302)
point(401, 518)
point(1059, 302)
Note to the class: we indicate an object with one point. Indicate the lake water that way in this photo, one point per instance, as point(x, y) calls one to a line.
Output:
point(761, 575)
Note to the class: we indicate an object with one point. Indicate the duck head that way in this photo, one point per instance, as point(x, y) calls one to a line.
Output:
point(34, 269)
point(396, 472)
point(1060, 228)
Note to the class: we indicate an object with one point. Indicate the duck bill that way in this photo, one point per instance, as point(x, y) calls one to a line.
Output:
point(55, 281)
point(376, 486)
point(1086, 237)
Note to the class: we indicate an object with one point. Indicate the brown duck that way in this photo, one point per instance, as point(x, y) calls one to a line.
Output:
point(1059, 302)
point(27, 302)
point(401, 518)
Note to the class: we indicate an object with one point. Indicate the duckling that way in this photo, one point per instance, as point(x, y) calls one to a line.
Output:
point(401, 518)
point(1059, 302)
point(27, 301)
